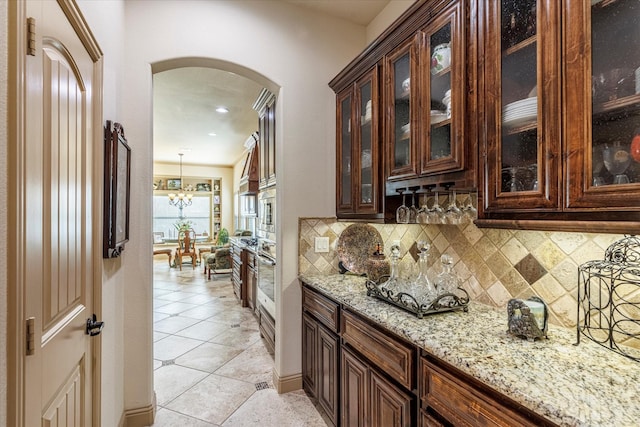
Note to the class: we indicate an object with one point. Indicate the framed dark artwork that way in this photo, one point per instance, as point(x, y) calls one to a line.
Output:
point(117, 189)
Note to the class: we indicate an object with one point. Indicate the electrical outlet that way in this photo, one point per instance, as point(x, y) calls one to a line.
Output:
point(395, 243)
point(321, 244)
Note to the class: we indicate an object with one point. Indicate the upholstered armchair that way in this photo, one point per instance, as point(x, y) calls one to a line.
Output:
point(218, 261)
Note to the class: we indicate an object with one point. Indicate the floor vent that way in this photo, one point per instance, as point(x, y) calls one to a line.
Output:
point(262, 385)
point(235, 325)
point(168, 362)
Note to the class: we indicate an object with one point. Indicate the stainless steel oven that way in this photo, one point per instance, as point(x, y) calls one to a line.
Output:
point(267, 214)
point(266, 256)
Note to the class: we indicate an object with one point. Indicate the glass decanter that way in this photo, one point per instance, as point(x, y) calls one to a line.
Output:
point(447, 282)
point(391, 284)
point(422, 289)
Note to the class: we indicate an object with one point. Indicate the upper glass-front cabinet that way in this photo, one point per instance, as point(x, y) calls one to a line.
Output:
point(443, 64)
point(603, 93)
point(562, 113)
point(401, 84)
point(358, 149)
point(345, 163)
point(523, 105)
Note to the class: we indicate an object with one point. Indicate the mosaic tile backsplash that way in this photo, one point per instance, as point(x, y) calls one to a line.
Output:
point(494, 265)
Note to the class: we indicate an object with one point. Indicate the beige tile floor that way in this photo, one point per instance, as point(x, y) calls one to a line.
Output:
point(211, 366)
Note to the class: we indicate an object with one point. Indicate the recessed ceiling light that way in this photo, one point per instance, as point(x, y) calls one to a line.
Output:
point(222, 110)
point(211, 134)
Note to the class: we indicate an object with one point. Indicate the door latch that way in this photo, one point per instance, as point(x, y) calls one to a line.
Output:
point(93, 326)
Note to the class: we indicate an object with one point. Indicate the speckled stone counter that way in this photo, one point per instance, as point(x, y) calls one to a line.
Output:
point(584, 385)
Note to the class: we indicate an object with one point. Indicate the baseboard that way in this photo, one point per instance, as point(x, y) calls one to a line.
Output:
point(287, 384)
point(140, 417)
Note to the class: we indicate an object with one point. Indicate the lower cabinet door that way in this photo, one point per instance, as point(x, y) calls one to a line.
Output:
point(328, 380)
point(390, 406)
point(355, 390)
point(309, 355)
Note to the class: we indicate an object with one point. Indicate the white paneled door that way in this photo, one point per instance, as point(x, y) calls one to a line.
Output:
point(56, 170)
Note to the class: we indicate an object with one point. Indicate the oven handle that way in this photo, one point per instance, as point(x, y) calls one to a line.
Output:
point(263, 259)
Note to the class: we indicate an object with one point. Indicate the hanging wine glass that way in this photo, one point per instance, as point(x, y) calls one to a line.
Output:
point(423, 214)
point(436, 213)
point(453, 213)
point(413, 210)
point(514, 183)
point(402, 213)
point(470, 211)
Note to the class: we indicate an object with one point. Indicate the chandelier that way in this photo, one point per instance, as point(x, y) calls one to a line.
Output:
point(180, 200)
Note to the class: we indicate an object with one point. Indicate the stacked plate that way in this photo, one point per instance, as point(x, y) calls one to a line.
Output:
point(520, 112)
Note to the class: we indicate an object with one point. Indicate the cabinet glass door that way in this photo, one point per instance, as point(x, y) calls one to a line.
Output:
point(443, 108)
point(525, 115)
point(606, 172)
point(367, 118)
point(401, 69)
point(345, 162)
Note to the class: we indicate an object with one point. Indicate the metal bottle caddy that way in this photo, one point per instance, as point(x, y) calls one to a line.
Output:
point(609, 298)
point(449, 301)
point(405, 301)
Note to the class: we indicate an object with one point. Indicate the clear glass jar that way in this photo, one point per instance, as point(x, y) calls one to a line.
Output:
point(447, 282)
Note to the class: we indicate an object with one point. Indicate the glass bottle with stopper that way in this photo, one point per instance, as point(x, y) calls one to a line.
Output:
point(391, 285)
point(423, 290)
point(447, 282)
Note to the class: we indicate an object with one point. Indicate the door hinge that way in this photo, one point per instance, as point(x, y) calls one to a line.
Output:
point(31, 333)
point(31, 36)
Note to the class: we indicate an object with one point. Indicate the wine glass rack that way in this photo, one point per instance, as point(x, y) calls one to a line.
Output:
point(609, 298)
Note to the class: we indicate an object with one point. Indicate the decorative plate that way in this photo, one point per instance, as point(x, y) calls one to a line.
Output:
point(355, 245)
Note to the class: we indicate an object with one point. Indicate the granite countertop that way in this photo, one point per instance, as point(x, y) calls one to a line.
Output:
point(583, 385)
point(237, 241)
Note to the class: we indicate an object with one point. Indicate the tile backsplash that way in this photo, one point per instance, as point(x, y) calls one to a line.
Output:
point(494, 265)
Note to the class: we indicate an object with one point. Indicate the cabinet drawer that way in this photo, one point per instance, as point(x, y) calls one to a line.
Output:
point(322, 308)
point(389, 354)
point(464, 405)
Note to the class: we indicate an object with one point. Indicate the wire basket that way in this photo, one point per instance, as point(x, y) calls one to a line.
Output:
point(609, 299)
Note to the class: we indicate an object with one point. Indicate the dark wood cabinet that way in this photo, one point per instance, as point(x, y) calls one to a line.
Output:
point(364, 375)
point(321, 352)
point(402, 125)
point(267, 326)
point(238, 272)
point(358, 160)
point(265, 105)
point(428, 88)
point(369, 399)
point(251, 277)
point(561, 112)
point(366, 390)
point(354, 390)
point(449, 397)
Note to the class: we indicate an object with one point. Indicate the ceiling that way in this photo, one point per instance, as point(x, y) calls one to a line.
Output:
point(185, 101)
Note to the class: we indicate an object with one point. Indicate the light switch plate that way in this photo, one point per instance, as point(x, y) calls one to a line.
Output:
point(321, 244)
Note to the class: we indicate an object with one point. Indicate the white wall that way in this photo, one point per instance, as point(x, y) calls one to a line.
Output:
point(291, 48)
point(386, 17)
point(106, 20)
